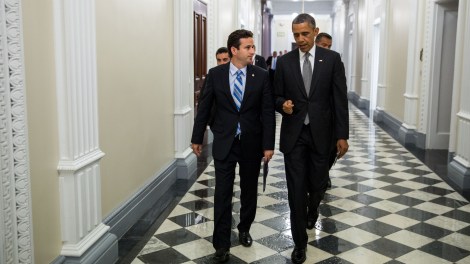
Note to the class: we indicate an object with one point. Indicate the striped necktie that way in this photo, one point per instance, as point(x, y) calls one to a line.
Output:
point(238, 95)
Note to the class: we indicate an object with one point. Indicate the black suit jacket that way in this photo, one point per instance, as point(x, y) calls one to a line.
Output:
point(327, 103)
point(260, 62)
point(256, 115)
point(269, 61)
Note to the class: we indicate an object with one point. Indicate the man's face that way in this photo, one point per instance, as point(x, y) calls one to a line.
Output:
point(244, 54)
point(222, 58)
point(304, 36)
point(325, 43)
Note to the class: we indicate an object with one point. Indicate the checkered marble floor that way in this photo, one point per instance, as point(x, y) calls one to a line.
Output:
point(385, 206)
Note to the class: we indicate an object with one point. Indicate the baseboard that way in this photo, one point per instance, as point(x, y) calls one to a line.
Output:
point(123, 218)
point(105, 250)
point(359, 103)
point(460, 176)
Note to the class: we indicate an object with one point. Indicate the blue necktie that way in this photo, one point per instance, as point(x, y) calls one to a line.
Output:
point(238, 95)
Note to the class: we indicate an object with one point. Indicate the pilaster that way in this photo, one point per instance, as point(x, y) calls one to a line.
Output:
point(184, 85)
point(79, 167)
point(459, 168)
point(383, 55)
point(415, 42)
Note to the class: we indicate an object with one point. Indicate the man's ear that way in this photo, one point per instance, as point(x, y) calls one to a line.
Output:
point(233, 50)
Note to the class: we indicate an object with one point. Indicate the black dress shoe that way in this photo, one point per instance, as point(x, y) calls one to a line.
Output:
point(311, 220)
point(245, 239)
point(221, 255)
point(298, 255)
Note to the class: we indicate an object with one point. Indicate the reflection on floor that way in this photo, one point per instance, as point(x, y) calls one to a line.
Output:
point(385, 206)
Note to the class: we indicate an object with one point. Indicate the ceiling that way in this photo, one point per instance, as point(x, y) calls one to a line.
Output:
point(287, 7)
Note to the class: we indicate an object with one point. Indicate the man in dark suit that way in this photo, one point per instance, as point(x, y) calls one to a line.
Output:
point(323, 40)
point(310, 91)
point(271, 63)
point(259, 61)
point(243, 129)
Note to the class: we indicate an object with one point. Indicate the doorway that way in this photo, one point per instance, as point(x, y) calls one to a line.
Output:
point(200, 48)
point(442, 72)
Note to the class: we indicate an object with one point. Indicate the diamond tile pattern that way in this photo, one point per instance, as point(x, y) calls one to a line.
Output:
point(384, 206)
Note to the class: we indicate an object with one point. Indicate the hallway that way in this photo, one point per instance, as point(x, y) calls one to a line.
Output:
point(385, 206)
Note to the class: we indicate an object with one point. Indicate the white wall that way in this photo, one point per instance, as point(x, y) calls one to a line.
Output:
point(282, 38)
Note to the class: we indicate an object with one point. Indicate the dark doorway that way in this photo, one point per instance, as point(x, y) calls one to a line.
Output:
point(200, 48)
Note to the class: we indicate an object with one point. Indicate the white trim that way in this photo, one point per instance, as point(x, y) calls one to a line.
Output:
point(465, 116)
point(76, 250)
point(77, 99)
point(15, 202)
point(81, 162)
point(183, 76)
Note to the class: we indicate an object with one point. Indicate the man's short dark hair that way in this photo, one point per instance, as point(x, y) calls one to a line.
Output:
point(221, 50)
point(322, 35)
point(234, 39)
point(302, 18)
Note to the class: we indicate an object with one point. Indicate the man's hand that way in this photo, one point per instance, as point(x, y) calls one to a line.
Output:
point(288, 107)
point(268, 154)
point(342, 147)
point(197, 149)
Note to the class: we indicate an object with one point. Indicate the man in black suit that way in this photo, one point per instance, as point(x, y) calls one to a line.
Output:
point(271, 63)
point(221, 55)
point(260, 61)
point(243, 129)
point(324, 40)
point(310, 91)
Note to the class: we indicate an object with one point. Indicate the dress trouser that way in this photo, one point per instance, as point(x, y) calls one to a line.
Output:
point(305, 169)
point(224, 179)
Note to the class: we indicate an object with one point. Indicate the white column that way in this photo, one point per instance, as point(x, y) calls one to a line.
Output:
point(460, 125)
point(79, 170)
point(16, 241)
point(383, 56)
point(183, 77)
point(413, 74)
point(366, 24)
point(352, 20)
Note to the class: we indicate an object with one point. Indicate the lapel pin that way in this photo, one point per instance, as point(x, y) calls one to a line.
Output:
point(253, 75)
point(320, 60)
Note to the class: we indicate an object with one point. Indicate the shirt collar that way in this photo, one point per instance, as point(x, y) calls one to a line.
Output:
point(311, 51)
point(233, 69)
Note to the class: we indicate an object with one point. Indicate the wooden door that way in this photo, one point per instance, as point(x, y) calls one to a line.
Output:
point(200, 48)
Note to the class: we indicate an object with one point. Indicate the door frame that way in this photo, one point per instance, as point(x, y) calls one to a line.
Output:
point(436, 139)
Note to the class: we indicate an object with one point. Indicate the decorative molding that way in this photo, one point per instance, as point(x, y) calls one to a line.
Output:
point(16, 222)
point(81, 162)
point(77, 99)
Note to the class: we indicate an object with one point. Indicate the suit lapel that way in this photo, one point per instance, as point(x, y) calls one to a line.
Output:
point(226, 85)
point(249, 85)
point(298, 72)
point(318, 63)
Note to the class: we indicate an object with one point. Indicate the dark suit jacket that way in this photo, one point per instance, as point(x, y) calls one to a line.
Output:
point(256, 114)
point(327, 103)
point(260, 62)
